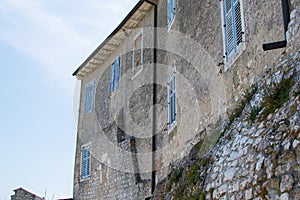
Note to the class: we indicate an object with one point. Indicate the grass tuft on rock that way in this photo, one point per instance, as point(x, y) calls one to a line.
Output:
point(193, 175)
point(253, 113)
point(246, 98)
point(176, 174)
point(276, 96)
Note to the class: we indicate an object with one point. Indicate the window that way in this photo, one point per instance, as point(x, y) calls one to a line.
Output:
point(171, 102)
point(115, 73)
point(85, 162)
point(89, 96)
point(138, 53)
point(233, 26)
point(171, 11)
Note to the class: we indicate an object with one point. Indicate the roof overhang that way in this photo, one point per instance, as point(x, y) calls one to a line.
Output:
point(115, 39)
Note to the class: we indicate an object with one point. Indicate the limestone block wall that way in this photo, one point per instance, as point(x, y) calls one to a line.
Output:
point(207, 89)
point(21, 194)
point(260, 161)
point(252, 160)
point(116, 171)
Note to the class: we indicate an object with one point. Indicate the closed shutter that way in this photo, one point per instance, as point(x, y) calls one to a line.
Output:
point(238, 22)
point(88, 157)
point(89, 97)
point(85, 163)
point(233, 26)
point(229, 27)
point(112, 78)
point(171, 10)
point(117, 71)
point(115, 74)
point(172, 101)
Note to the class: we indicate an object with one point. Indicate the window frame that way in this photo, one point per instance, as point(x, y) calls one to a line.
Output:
point(89, 98)
point(238, 48)
point(171, 19)
point(135, 73)
point(172, 93)
point(114, 82)
point(84, 177)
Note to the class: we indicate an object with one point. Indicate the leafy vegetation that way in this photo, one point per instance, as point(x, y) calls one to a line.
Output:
point(204, 161)
point(198, 196)
point(176, 175)
point(297, 92)
point(277, 95)
point(179, 192)
point(253, 113)
point(222, 134)
point(264, 193)
point(190, 178)
point(246, 98)
point(185, 183)
point(193, 175)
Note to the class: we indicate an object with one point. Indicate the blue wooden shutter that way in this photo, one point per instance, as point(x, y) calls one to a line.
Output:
point(88, 167)
point(233, 26)
point(172, 101)
point(171, 10)
point(117, 72)
point(229, 28)
point(112, 78)
point(169, 96)
point(238, 22)
point(85, 163)
point(89, 97)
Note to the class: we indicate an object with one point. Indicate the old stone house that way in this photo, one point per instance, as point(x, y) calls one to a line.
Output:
point(170, 70)
point(22, 194)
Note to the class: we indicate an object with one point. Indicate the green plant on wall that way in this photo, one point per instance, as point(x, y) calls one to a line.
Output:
point(179, 191)
point(277, 95)
point(198, 196)
point(176, 175)
point(246, 98)
point(253, 113)
point(193, 174)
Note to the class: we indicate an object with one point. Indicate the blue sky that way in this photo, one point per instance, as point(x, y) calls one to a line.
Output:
point(41, 43)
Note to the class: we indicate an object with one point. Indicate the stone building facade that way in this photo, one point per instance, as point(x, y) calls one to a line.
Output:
point(170, 70)
point(22, 194)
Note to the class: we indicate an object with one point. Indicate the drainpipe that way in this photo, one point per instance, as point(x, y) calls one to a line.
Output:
point(153, 174)
point(286, 20)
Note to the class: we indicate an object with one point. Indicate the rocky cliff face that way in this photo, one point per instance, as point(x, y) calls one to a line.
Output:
point(257, 155)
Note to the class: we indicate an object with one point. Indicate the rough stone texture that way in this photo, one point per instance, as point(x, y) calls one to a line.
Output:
point(21, 194)
point(263, 24)
point(116, 170)
point(285, 196)
point(250, 162)
point(261, 161)
point(286, 184)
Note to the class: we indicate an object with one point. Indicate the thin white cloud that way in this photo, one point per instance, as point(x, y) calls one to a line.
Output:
point(60, 42)
point(44, 37)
